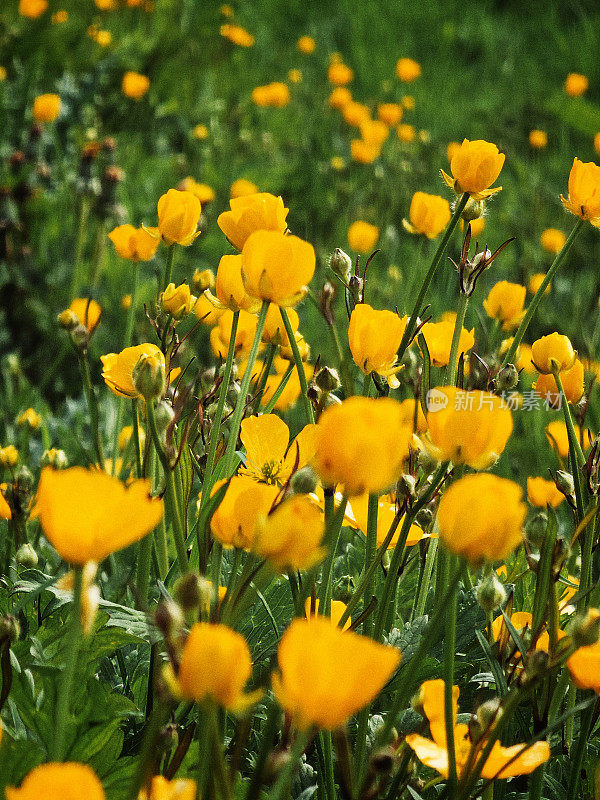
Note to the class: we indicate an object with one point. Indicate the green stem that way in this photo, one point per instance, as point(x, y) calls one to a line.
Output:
point(92, 402)
point(437, 259)
point(268, 363)
point(585, 580)
point(333, 527)
point(535, 301)
point(240, 405)
point(575, 451)
point(463, 302)
point(419, 608)
point(536, 783)
point(282, 786)
point(72, 643)
point(310, 415)
point(279, 391)
point(168, 266)
point(82, 218)
point(449, 654)
point(143, 571)
point(136, 437)
point(585, 728)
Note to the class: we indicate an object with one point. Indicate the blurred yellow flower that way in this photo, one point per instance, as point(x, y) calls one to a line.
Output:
point(234, 523)
point(552, 240)
point(32, 8)
point(134, 86)
point(505, 302)
point(374, 131)
point(408, 102)
point(340, 97)
point(337, 611)
point(306, 45)
point(117, 368)
point(408, 70)
point(354, 113)
point(536, 281)
point(60, 17)
point(134, 244)
point(438, 337)
point(390, 113)
point(552, 352)
point(584, 191)
point(204, 192)
point(125, 437)
point(200, 132)
point(576, 84)
point(221, 333)
point(339, 74)
point(163, 789)
point(429, 214)
point(242, 187)
point(87, 514)
point(538, 139)
point(386, 514)
point(68, 781)
point(542, 493)
point(374, 338)
point(406, 132)
point(46, 107)
point(362, 236)
point(29, 419)
point(87, 311)
point(584, 666)
point(9, 456)
point(277, 267)
point(290, 537)
point(475, 167)
point(295, 76)
point(272, 95)
point(364, 153)
point(237, 35)
point(556, 433)
point(253, 212)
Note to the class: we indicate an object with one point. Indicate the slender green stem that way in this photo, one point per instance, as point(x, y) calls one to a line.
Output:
point(136, 437)
point(268, 363)
point(158, 718)
point(536, 783)
point(535, 301)
point(345, 374)
point(310, 415)
point(575, 451)
point(463, 302)
point(215, 430)
point(419, 608)
point(168, 266)
point(72, 643)
point(82, 218)
point(282, 785)
point(92, 402)
point(279, 391)
point(585, 581)
point(143, 571)
point(449, 654)
point(585, 728)
point(328, 758)
point(437, 259)
point(333, 527)
point(240, 405)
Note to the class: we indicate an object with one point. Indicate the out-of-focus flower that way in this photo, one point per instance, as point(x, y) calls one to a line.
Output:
point(204, 192)
point(572, 382)
point(134, 86)
point(452, 149)
point(46, 107)
point(339, 74)
point(58, 782)
point(536, 281)
point(87, 311)
point(405, 132)
point(364, 153)
point(340, 97)
point(87, 514)
point(234, 523)
point(584, 664)
point(386, 515)
point(241, 188)
point(306, 45)
point(249, 213)
point(200, 131)
point(277, 267)
point(9, 456)
point(553, 353)
point(290, 537)
point(542, 493)
point(118, 368)
point(32, 8)
point(295, 75)
point(60, 17)
point(538, 139)
point(438, 337)
point(597, 143)
point(315, 694)
point(429, 214)
point(355, 113)
point(362, 236)
point(125, 437)
point(552, 240)
point(408, 102)
point(337, 612)
point(474, 168)
point(29, 419)
point(221, 333)
point(272, 95)
point(505, 302)
point(3, 74)
point(374, 131)
point(374, 338)
point(237, 35)
point(390, 113)
point(408, 70)
point(135, 244)
point(556, 433)
point(584, 191)
point(163, 789)
point(576, 84)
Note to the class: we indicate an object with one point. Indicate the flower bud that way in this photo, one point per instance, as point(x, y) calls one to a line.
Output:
point(149, 377)
point(234, 371)
point(304, 481)
point(484, 719)
point(507, 379)
point(355, 285)
point(407, 486)
point(425, 517)
point(341, 263)
point(168, 618)
point(383, 760)
point(564, 482)
point(67, 319)
point(9, 627)
point(327, 379)
point(490, 592)
point(537, 665)
point(165, 415)
point(202, 280)
point(54, 458)
point(585, 629)
point(23, 483)
point(9, 456)
point(80, 336)
point(187, 591)
point(535, 529)
point(26, 556)
point(473, 210)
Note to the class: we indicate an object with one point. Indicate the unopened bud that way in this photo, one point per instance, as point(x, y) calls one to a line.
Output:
point(23, 482)
point(54, 458)
point(484, 719)
point(80, 336)
point(202, 280)
point(9, 627)
point(507, 379)
point(383, 760)
point(68, 319)
point(565, 483)
point(536, 527)
point(355, 285)
point(168, 618)
point(490, 592)
point(327, 379)
point(164, 415)
point(537, 664)
point(9, 456)
point(473, 210)
point(341, 263)
point(187, 591)
point(407, 486)
point(149, 377)
point(585, 629)
point(234, 371)
point(304, 481)
point(26, 556)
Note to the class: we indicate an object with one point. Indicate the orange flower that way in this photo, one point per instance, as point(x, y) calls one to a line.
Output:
point(340, 97)
point(390, 113)
point(406, 132)
point(364, 153)
point(252, 212)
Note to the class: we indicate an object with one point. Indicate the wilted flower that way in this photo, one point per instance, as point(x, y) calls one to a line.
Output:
point(58, 782)
point(475, 167)
point(46, 107)
point(429, 214)
point(87, 514)
point(135, 85)
point(252, 212)
point(584, 191)
point(505, 303)
point(374, 338)
point(311, 691)
point(134, 244)
point(277, 267)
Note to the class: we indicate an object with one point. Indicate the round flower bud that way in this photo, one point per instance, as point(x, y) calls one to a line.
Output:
point(164, 416)
point(9, 627)
point(26, 556)
point(552, 353)
point(80, 336)
point(486, 716)
point(565, 483)
point(187, 591)
point(67, 319)
point(490, 592)
point(473, 210)
point(54, 458)
point(9, 456)
point(149, 377)
point(23, 481)
point(327, 379)
point(202, 280)
point(304, 481)
point(535, 529)
point(585, 629)
point(507, 379)
point(341, 263)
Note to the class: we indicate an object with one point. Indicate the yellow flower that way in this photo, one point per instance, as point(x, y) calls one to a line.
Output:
point(406, 132)
point(204, 192)
point(162, 789)
point(125, 437)
point(364, 153)
point(536, 281)
point(475, 167)
point(556, 433)
point(386, 514)
point(118, 368)
point(177, 300)
point(311, 691)
point(87, 514)
point(237, 35)
point(5, 513)
point(290, 393)
point(538, 139)
point(242, 188)
point(221, 333)
point(69, 781)
point(290, 537)
point(9, 456)
point(337, 612)
point(274, 331)
point(374, 131)
point(30, 419)
point(362, 443)
point(277, 267)
point(438, 337)
point(576, 84)
point(451, 149)
point(542, 493)
point(200, 132)
point(46, 107)
point(295, 75)
point(584, 666)
point(491, 529)
point(429, 214)
point(408, 70)
point(216, 665)
point(467, 427)
point(597, 143)
point(355, 113)
point(477, 226)
point(505, 303)
point(362, 236)
point(584, 191)
point(134, 244)
point(229, 286)
point(178, 216)
point(552, 240)
point(374, 338)
point(60, 17)
point(572, 382)
point(206, 311)
point(87, 311)
point(268, 457)
point(234, 523)
point(413, 416)
point(3, 74)
point(502, 762)
point(306, 45)
point(103, 38)
point(340, 97)
point(32, 8)
point(553, 352)
point(408, 102)
point(134, 86)
point(250, 213)
point(390, 113)
point(273, 95)
point(339, 74)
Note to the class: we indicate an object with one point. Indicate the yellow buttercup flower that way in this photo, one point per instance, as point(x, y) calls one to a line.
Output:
point(229, 286)
point(413, 416)
point(467, 427)
point(408, 70)
point(584, 666)
point(273, 95)
point(538, 139)
point(390, 113)
point(556, 433)
point(362, 236)
point(584, 191)
point(277, 267)
point(477, 226)
point(386, 514)
point(32, 8)
point(270, 457)
point(542, 493)
point(178, 216)
point(311, 691)
point(505, 302)
point(237, 35)
point(576, 84)
point(290, 537)
point(134, 244)
point(355, 113)
point(201, 132)
point(134, 86)
point(337, 611)
point(362, 443)
point(553, 352)
point(290, 393)
point(258, 211)
point(9, 456)
point(306, 45)
point(429, 214)
point(68, 781)
point(552, 240)
point(87, 514)
point(216, 665)
point(572, 380)
point(221, 333)
point(475, 167)
point(406, 132)
point(118, 368)
point(241, 188)
point(438, 337)
point(502, 762)
point(374, 338)
point(30, 419)
point(340, 97)
point(206, 311)
point(204, 192)
point(374, 131)
point(87, 311)
point(339, 74)
point(5, 513)
point(163, 789)
point(125, 437)
point(234, 523)
point(363, 152)
point(46, 107)
point(491, 529)
point(536, 281)
point(177, 300)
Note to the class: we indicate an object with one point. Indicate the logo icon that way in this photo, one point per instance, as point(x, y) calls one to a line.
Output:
point(436, 400)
